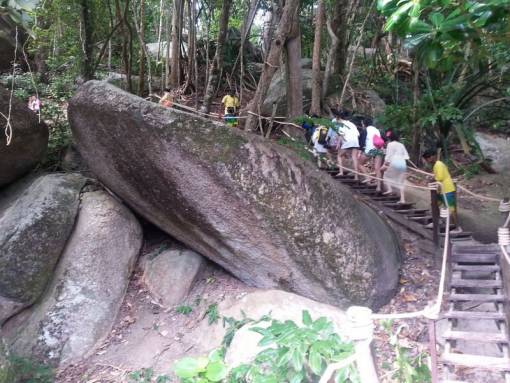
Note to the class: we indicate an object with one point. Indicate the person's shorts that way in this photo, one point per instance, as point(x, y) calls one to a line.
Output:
point(451, 200)
point(372, 153)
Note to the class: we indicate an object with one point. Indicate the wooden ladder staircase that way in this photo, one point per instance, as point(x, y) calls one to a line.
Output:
point(476, 291)
point(477, 323)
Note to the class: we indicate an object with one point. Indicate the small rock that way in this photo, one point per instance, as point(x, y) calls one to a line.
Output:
point(170, 274)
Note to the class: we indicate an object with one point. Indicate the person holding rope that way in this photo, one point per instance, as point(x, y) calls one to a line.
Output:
point(395, 165)
point(374, 150)
point(349, 142)
point(448, 190)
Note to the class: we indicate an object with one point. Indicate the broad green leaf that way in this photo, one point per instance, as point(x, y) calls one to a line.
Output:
point(315, 361)
point(216, 355)
point(307, 319)
point(190, 367)
point(297, 360)
point(297, 377)
point(216, 371)
point(436, 19)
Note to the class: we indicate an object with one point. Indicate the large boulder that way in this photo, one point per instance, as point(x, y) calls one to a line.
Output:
point(277, 92)
point(29, 140)
point(36, 218)
point(169, 274)
point(250, 205)
point(80, 305)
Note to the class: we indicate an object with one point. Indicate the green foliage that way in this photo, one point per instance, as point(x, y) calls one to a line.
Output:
point(202, 370)
point(290, 354)
point(146, 375)
point(212, 313)
point(407, 368)
point(315, 121)
point(29, 371)
point(439, 30)
point(298, 354)
point(298, 146)
point(186, 310)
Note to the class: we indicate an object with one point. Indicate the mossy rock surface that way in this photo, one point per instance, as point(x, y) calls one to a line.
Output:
point(250, 205)
point(36, 217)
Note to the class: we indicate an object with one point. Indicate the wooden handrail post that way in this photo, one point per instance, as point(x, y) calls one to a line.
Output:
point(433, 351)
point(434, 208)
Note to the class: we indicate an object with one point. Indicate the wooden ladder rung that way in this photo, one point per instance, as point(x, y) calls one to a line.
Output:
point(478, 283)
point(483, 268)
point(462, 234)
point(476, 361)
point(480, 249)
point(494, 315)
point(484, 337)
point(474, 258)
point(476, 298)
point(420, 218)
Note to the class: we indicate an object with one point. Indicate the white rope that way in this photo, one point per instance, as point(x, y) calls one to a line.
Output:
point(432, 186)
point(8, 125)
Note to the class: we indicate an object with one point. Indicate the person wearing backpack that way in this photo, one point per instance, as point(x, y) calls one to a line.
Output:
point(373, 150)
point(319, 140)
point(349, 143)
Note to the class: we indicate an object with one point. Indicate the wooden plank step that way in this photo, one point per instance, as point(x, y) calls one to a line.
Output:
point(386, 199)
point(476, 249)
point(453, 381)
point(493, 315)
point(478, 283)
point(348, 181)
point(477, 361)
point(484, 337)
point(482, 268)
point(474, 258)
point(414, 212)
point(398, 205)
point(426, 218)
point(462, 234)
point(476, 298)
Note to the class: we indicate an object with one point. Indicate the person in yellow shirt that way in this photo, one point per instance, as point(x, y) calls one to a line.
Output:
point(231, 103)
point(448, 190)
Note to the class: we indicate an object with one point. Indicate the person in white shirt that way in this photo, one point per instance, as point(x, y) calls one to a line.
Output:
point(319, 140)
point(373, 150)
point(348, 143)
point(395, 166)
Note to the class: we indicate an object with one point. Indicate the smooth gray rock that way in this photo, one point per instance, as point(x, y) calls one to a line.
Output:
point(170, 274)
point(250, 205)
point(6, 373)
point(79, 307)
point(36, 219)
point(29, 140)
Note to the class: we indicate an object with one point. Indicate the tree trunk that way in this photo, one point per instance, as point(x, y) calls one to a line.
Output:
point(191, 46)
point(141, 36)
point(160, 29)
point(316, 62)
point(338, 30)
point(87, 67)
point(217, 65)
point(176, 45)
point(167, 50)
point(272, 62)
point(126, 41)
point(293, 70)
point(416, 149)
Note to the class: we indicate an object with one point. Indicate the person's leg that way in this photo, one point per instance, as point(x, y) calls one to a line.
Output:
point(355, 162)
point(340, 162)
point(378, 173)
point(363, 159)
point(401, 184)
